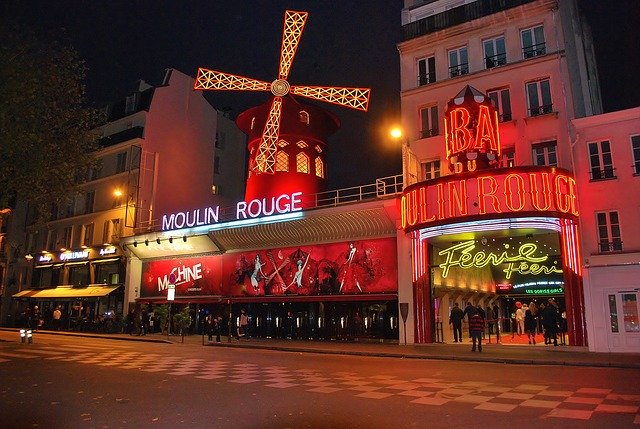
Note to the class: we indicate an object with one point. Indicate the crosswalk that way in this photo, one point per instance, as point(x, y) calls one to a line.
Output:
point(579, 404)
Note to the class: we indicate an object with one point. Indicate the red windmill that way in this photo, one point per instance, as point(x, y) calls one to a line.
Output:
point(287, 139)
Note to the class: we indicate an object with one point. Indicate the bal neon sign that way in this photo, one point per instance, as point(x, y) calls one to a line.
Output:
point(70, 256)
point(526, 191)
point(259, 207)
point(471, 131)
point(521, 261)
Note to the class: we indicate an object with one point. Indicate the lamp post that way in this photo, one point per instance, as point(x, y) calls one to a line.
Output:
point(397, 134)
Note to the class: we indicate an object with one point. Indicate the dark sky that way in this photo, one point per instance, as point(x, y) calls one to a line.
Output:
point(345, 43)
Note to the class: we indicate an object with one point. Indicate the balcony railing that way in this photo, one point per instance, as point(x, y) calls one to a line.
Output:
point(456, 16)
point(495, 61)
point(429, 133)
point(603, 173)
point(425, 79)
point(540, 110)
point(610, 246)
point(459, 70)
point(505, 117)
point(534, 50)
point(122, 136)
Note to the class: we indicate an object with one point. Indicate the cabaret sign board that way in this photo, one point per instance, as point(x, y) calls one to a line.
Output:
point(506, 192)
point(285, 203)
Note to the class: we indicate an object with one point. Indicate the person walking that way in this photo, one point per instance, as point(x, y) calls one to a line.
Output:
point(469, 311)
point(455, 320)
point(57, 315)
point(530, 325)
point(209, 327)
point(476, 328)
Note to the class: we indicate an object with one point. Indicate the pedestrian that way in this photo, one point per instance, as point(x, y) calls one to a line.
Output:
point(217, 327)
point(57, 314)
point(455, 320)
point(244, 322)
point(476, 328)
point(209, 327)
point(469, 311)
point(553, 319)
point(519, 318)
point(495, 314)
point(530, 325)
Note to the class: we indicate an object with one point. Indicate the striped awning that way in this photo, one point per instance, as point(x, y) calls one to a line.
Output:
point(68, 292)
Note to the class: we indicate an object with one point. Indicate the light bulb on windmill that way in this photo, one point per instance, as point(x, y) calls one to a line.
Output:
point(287, 139)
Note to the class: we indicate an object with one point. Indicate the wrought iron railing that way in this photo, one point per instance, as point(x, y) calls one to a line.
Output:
point(603, 173)
point(495, 60)
point(534, 50)
point(425, 79)
point(429, 133)
point(610, 246)
point(459, 70)
point(541, 110)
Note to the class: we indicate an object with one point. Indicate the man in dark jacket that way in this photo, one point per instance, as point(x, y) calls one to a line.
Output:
point(476, 327)
point(455, 319)
point(469, 311)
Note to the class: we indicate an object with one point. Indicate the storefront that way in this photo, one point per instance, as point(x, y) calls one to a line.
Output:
point(85, 284)
point(485, 235)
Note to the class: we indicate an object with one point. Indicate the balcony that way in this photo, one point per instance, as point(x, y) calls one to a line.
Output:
point(429, 133)
point(457, 16)
point(459, 70)
point(606, 246)
point(534, 50)
point(505, 117)
point(426, 79)
point(495, 61)
point(541, 110)
point(122, 136)
point(602, 173)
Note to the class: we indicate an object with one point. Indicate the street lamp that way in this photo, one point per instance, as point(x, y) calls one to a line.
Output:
point(397, 134)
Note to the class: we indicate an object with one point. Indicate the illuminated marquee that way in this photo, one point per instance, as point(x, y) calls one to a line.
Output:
point(521, 261)
point(285, 203)
point(527, 191)
point(70, 256)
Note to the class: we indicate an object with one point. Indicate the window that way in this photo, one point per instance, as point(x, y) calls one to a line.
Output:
point(79, 275)
point(545, 153)
point(533, 42)
point(108, 273)
point(221, 139)
point(304, 117)
point(87, 235)
point(613, 313)
point(635, 149)
point(426, 70)
point(67, 236)
point(216, 164)
point(539, 97)
point(302, 163)
point(431, 169)
point(319, 167)
point(52, 239)
point(508, 157)
point(121, 162)
point(600, 160)
point(131, 103)
point(609, 239)
point(495, 53)
point(630, 312)
point(89, 199)
point(282, 161)
point(429, 121)
point(111, 231)
point(502, 101)
point(458, 62)
point(302, 145)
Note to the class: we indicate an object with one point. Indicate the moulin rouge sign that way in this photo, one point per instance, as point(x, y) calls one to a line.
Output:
point(478, 189)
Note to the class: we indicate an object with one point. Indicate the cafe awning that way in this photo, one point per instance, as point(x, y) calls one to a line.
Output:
point(68, 292)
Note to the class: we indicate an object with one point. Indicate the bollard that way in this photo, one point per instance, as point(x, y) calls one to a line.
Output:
point(29, 336)
point(23, 335)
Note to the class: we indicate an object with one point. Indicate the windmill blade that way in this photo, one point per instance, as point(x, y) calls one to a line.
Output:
point(211, 79)
point(356, 98)
point(266, 157)
point(293, 26)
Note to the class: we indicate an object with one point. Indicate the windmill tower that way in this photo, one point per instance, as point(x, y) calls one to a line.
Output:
point(287, 139)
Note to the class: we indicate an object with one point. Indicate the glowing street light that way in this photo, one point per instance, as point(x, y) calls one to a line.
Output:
point(397, 134)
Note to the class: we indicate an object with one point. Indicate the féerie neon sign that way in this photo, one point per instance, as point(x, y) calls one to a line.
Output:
point(521, 261)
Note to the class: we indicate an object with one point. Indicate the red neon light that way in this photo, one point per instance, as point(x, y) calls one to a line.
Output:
point(486, 134)
point(460, 137)
point(526, 191)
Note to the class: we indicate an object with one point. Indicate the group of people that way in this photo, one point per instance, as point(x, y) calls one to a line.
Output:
point(531, 319)
point(476, 317)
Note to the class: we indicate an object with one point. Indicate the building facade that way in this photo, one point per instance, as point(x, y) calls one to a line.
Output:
point(153, 139)
point(535, 62)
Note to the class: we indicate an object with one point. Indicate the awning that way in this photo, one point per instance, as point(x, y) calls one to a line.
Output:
point(68, 292)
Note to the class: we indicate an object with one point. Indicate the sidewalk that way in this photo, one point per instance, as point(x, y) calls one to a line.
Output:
point(496, 353)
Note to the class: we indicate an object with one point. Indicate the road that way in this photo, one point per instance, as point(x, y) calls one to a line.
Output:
point(69, 382)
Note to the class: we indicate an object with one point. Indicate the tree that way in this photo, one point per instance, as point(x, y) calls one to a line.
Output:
point(46, 138)
point(182, 321)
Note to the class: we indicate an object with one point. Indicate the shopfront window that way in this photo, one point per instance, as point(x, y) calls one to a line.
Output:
point(613, 313)
point(630, 312)
point(42, 277)
point(79, 275)
point(108, 273)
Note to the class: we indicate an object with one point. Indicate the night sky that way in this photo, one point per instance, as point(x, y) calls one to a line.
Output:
point(345, 43)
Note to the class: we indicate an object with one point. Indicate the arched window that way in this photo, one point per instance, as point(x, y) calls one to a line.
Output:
point(302, 163)
point(304, 117)
point(282, 161)
point(319, 167)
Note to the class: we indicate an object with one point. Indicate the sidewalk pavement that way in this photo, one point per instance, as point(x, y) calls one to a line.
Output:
point(491, 352)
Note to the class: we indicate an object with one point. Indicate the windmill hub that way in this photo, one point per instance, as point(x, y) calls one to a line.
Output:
point(280, 87)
